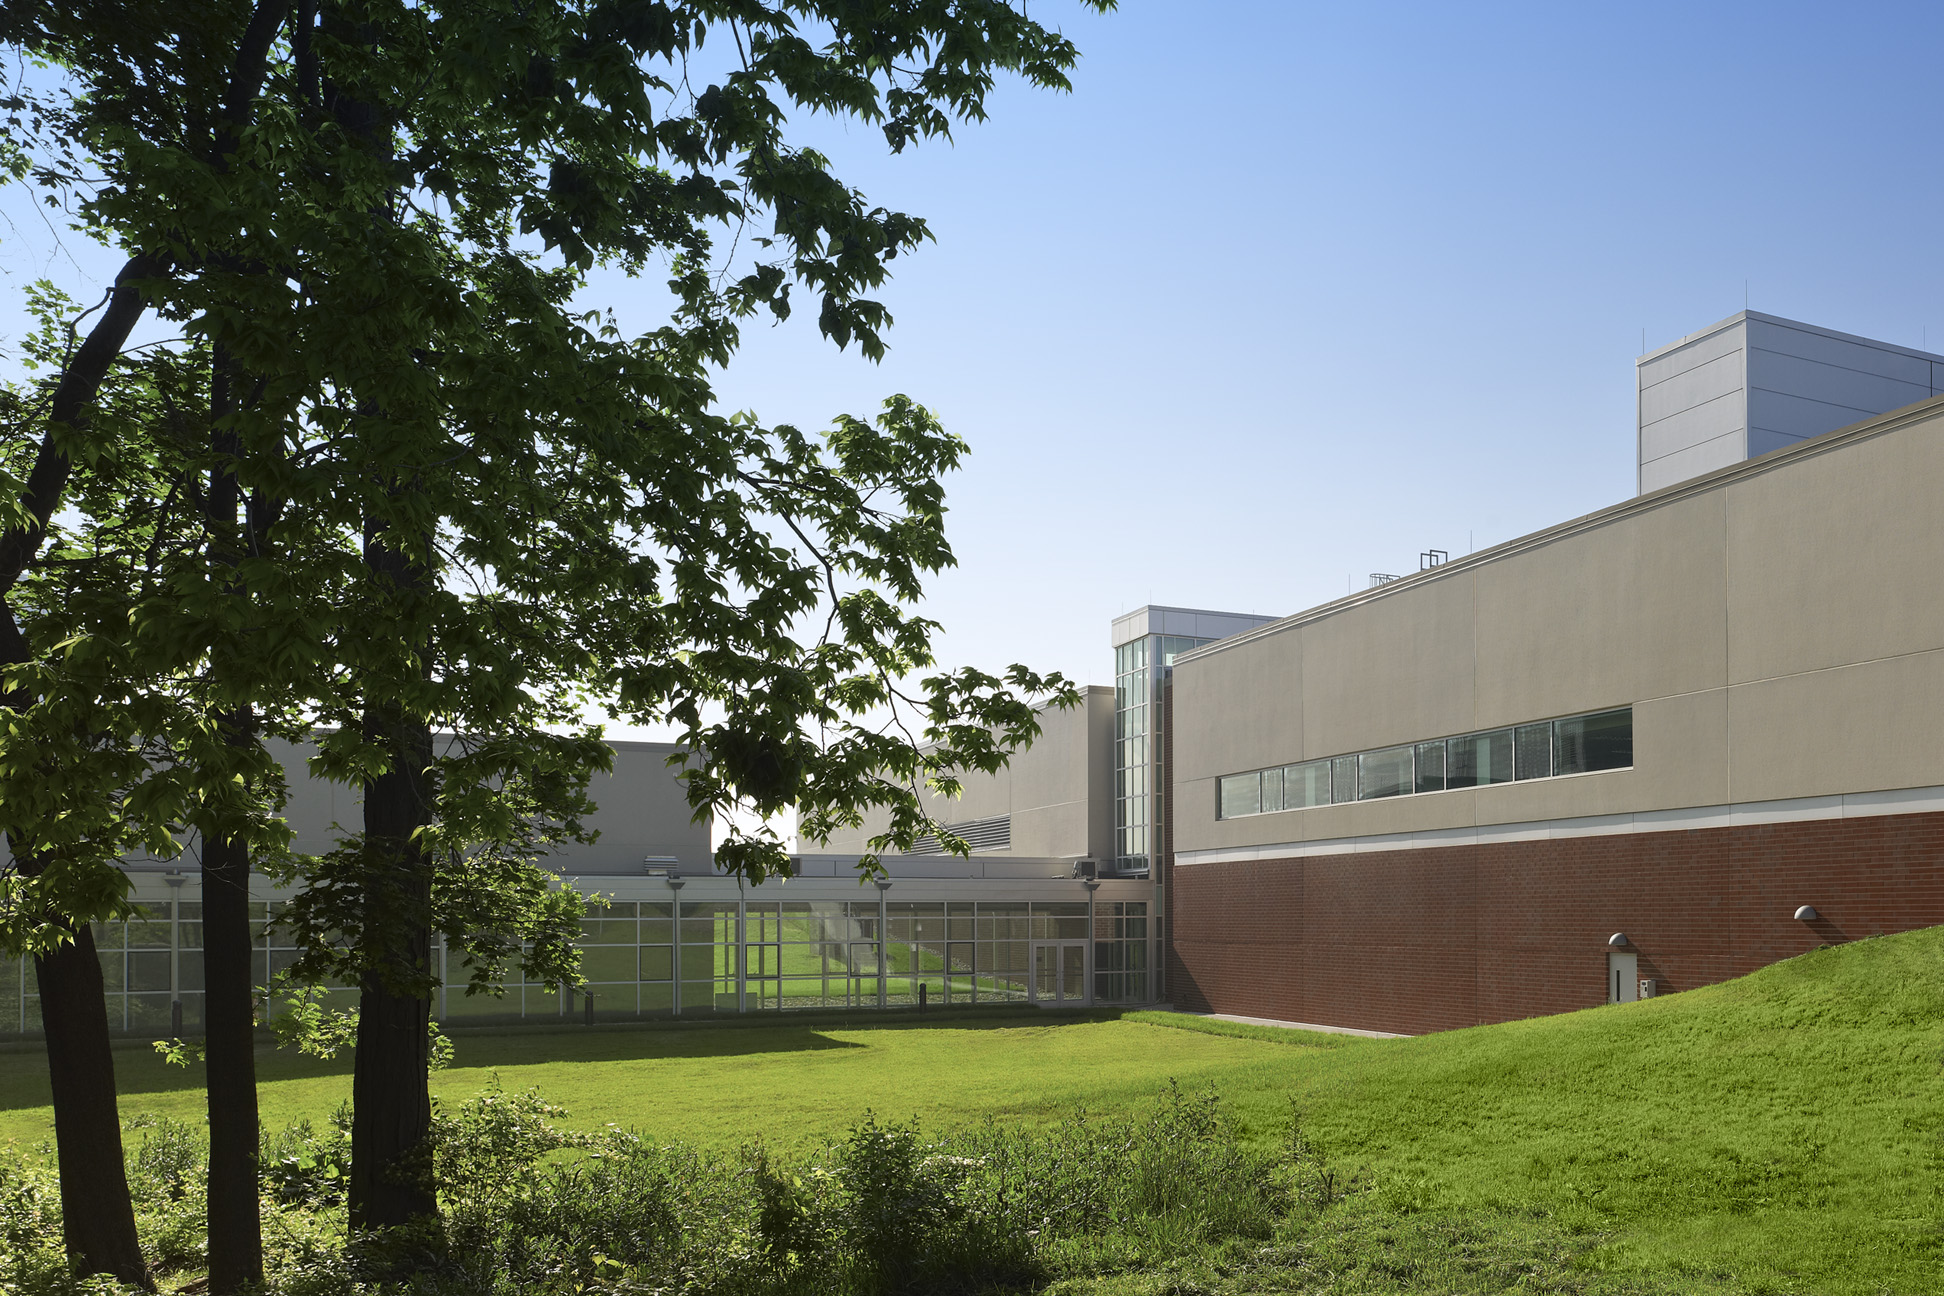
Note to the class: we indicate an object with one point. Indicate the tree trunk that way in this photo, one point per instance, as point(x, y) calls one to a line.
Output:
point(229, 997)
point(235, 1224)
point(391, 1100)
point(97, 1215)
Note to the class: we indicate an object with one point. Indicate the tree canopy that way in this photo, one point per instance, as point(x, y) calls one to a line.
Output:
point(397, 477)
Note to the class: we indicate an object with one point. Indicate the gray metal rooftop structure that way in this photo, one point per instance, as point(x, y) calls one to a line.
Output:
point(1755, 383)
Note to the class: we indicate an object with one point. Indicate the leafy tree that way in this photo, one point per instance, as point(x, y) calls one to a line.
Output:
point(432, 493)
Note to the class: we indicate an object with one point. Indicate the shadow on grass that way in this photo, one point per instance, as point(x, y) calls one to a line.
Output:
point(139, 1070)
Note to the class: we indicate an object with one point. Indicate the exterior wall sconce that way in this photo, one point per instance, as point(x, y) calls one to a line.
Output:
point(1807, 913)
point(883, 884)
point(1618, 940)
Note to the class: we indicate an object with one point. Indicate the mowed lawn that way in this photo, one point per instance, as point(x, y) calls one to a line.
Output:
point(1781, 1131)
point(794, 1085)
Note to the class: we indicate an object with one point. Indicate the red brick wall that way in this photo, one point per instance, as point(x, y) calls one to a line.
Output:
point(1431, 939)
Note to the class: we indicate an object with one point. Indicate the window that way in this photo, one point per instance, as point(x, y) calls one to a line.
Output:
point(1478, 759)
point(1430, 767)
point(1272, 789)
point(1241, 795)
point(1306, 785)
point(1583, 744)
point(1343, 779)
point(1532, 751)
point(1385, 773)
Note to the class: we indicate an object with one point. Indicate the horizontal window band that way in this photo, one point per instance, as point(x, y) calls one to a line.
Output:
point(1853, 805)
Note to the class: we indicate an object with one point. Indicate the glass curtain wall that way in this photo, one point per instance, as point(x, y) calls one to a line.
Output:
point(1120, 951)
point(1139, 781)
point(773, 955)
point(1132, 705)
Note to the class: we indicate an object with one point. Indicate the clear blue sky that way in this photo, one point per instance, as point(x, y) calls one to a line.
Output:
point(1285, 293)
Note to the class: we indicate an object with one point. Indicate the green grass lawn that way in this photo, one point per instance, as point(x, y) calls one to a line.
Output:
point(1783, 1130)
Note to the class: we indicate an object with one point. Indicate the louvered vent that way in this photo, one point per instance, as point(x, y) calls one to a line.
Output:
point(979, 834)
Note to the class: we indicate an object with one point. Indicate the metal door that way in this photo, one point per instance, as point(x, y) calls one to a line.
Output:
point(1623, 977)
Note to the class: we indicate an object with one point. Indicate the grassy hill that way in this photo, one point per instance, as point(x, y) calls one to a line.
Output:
point(1783, 1128)
point(1779, 1133)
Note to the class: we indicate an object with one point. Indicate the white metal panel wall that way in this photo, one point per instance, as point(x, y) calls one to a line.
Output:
point(1803, 382)
point(1693, 406)
point(1755, 383)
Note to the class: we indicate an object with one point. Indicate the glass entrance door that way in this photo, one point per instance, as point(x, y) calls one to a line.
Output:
point(1060, 972)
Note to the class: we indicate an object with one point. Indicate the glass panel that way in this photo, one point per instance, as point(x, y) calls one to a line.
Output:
point(612, 1002)
point(1431, 767)
point(961, 965)
point(861, 975)
point(484, 1004)
point(608, 931)
point(1385, 773)
point(1060, 920)
point(1046, 972)
point(1306, 785)
point(151, 934)
point(148, 970)
point(699, 999)
point(657, 926)
point(10, 980)
point(1602, 741)
point(761, 923)
point(148, 1013)
point(608, 963)
point(657, 963)
point(1478, 759)
point(1241, 795)
point(1343, 779)
point(1533, 756)
point(1272, 790)
point(1073, 972)
point(698, 962)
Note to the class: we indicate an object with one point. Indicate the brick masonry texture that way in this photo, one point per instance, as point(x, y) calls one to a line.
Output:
point(1433, 939)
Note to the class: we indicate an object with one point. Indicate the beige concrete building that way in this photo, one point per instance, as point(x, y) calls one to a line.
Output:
point(1054, 801)
point(1775, 627)
point(1640, 751)
point(1644, 750)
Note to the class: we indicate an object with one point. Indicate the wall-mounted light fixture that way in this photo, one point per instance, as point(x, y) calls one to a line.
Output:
point(1618, 940)
point(1807, 913)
